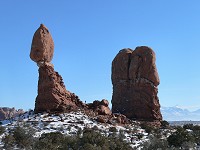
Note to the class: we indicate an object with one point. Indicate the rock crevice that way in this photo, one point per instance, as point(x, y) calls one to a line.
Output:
point(135, 80)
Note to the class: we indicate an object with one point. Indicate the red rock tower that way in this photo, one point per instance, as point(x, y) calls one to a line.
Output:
point(52, 94)
point(135, 80)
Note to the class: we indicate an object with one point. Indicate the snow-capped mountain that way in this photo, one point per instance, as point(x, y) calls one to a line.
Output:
point(178, 114)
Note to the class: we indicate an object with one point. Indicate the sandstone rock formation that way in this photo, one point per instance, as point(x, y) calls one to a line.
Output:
point(135, 80)
point(101, 107)
point(42, 47)
point(113, 119)
point(52, 94)
point(7, 113)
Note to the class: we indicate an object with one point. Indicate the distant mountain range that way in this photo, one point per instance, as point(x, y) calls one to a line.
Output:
point(178, 114)
point(169, 113)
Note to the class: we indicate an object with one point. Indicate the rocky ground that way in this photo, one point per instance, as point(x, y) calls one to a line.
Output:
point(71, 123)
point(139, 135)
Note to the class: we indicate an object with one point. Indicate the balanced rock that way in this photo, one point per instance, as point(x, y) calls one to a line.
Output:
point(135, 80)
point(42, 47)
point(52, 94)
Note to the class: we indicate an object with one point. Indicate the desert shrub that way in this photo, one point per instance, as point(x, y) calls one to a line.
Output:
point(188, 126)
point(79, 132)
point(140, 135)
point(112, 129)
point(121, 135)
point(147, 127)
point(117, 144)
point(9, 142)
point(196, 127)
point(177, 138)
point(92, 140)
point(112, 135)
point(69, 128)
point(164, 124)
point(2, 130)
point(95, 128)
point(196, 133)
point(88, 146)
point(155, 143)
point(70, 142)
point(22, 137)
point(49, 141)
point(188, 145)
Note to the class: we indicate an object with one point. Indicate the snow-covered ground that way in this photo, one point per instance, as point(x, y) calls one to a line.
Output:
point(71, 123)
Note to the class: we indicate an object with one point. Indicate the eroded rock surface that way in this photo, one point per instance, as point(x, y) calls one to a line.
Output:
point(52, 94)
point(135, 80)
point(7, 113)
point(42, 47)
point(101, 107)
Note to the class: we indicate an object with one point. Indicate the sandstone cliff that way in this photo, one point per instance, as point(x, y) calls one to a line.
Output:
point(135, 80)
point(7, 113)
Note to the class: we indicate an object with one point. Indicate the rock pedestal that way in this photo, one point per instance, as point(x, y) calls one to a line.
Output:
point(52, 94)
point(135, 80)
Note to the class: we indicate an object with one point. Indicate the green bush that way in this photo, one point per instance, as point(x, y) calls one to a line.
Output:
point(121, 135)
point(20, 137)
point(70, 142)
point(90, 140)
point(196, 133)
point(188, 145)
point(177, 138)
point(23, 138)
point(164, 124)
point(140, 135)
point(9, 142)
point(196, 128)
point(154, 144)
point(112, 129)
point(2, 130)
point(93, 138)
point(147, 127)
point(49, 141)
point(188, 126)
point(88, 146)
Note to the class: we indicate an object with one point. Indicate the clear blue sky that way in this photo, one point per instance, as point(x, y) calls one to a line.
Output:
point(88, 34)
